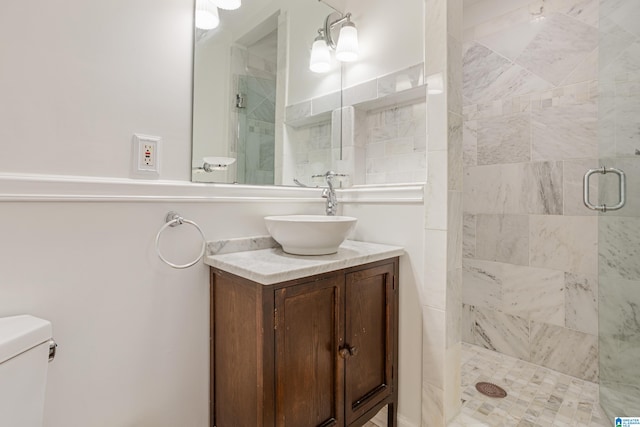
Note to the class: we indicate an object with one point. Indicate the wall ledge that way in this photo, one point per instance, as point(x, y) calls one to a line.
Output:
point(66, 188)
point(411, 193)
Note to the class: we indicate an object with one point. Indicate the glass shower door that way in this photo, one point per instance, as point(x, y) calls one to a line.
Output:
point(255, 104)
point(619, 230)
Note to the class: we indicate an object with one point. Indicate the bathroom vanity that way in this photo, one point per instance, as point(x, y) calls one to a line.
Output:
point(304, 341)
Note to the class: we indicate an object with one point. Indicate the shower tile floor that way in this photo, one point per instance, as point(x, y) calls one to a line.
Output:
point(536, 396)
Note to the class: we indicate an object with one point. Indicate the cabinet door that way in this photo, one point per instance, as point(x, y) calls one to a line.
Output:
point(236, 327)
point(309, 372)
point(369, 341)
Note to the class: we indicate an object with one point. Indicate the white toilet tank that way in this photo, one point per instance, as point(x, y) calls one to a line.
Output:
point(24, 358)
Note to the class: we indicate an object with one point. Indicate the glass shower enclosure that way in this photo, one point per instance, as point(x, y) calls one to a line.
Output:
point(618, 183)
point(255, 104)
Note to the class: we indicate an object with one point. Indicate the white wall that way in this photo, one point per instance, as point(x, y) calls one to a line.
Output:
point(396, 225)
point(212, 98)
point(304, 20)
point(390, 36)
point(78, 78)
point(132, 332)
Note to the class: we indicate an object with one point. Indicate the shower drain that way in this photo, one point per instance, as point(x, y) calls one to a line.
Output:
point(491, 390)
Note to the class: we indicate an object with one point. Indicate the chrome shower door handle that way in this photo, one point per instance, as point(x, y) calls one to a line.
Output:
point(621, 194)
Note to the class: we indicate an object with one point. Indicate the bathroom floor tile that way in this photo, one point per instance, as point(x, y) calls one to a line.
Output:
point(536, 396)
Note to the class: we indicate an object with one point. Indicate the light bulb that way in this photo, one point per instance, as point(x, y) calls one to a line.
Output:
point(228, 4)
point(320, 61)
point(207, 17)
point(347, 49)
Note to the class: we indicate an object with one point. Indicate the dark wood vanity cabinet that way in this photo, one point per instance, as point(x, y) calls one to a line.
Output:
point(316, 351)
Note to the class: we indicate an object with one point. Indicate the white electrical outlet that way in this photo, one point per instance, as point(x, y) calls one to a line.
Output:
point(146, 156)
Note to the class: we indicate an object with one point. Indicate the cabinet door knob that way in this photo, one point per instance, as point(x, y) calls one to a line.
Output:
point(348, 351)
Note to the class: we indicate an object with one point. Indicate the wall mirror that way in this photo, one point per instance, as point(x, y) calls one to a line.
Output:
point(247, 71)
point(262, 117)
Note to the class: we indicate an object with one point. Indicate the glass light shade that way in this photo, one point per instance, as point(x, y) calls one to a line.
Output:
point(320, 61)
point(347, 49)
point(207, 17)
point(228, 4)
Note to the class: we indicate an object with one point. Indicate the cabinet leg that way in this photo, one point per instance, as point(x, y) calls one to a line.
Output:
point(391, 415)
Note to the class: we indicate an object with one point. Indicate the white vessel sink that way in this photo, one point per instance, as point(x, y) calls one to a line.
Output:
point(310, 234)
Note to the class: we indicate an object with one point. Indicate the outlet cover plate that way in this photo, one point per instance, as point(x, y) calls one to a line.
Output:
point(145, 159)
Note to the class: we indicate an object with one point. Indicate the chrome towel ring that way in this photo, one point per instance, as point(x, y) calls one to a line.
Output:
point(173, 219)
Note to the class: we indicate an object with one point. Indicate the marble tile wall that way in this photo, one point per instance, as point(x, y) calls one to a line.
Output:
point(252, 130)
point(378, 137)
point(256, 138)
point(619, 305)
point(313, 151)
point(395, 150)
point(386, 146)
point(444, 223)
point(530, 278)
point(349, 131)
point(258, 150)
point(619, 231)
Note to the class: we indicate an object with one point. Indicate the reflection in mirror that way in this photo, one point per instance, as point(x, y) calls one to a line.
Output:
point(364, 119)
point(384, 95)
point(246, 72)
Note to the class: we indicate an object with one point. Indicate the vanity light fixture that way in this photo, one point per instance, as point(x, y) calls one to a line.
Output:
point(346, 47)
point(207, 17)
point(228, 4)
point(320, 61)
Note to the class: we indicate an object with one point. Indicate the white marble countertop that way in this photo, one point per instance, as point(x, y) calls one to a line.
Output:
point(269, 266)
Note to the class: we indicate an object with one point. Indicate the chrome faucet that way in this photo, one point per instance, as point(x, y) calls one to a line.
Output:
point(329, 193)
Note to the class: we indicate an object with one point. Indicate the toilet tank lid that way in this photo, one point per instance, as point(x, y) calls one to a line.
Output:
point(21, 333)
